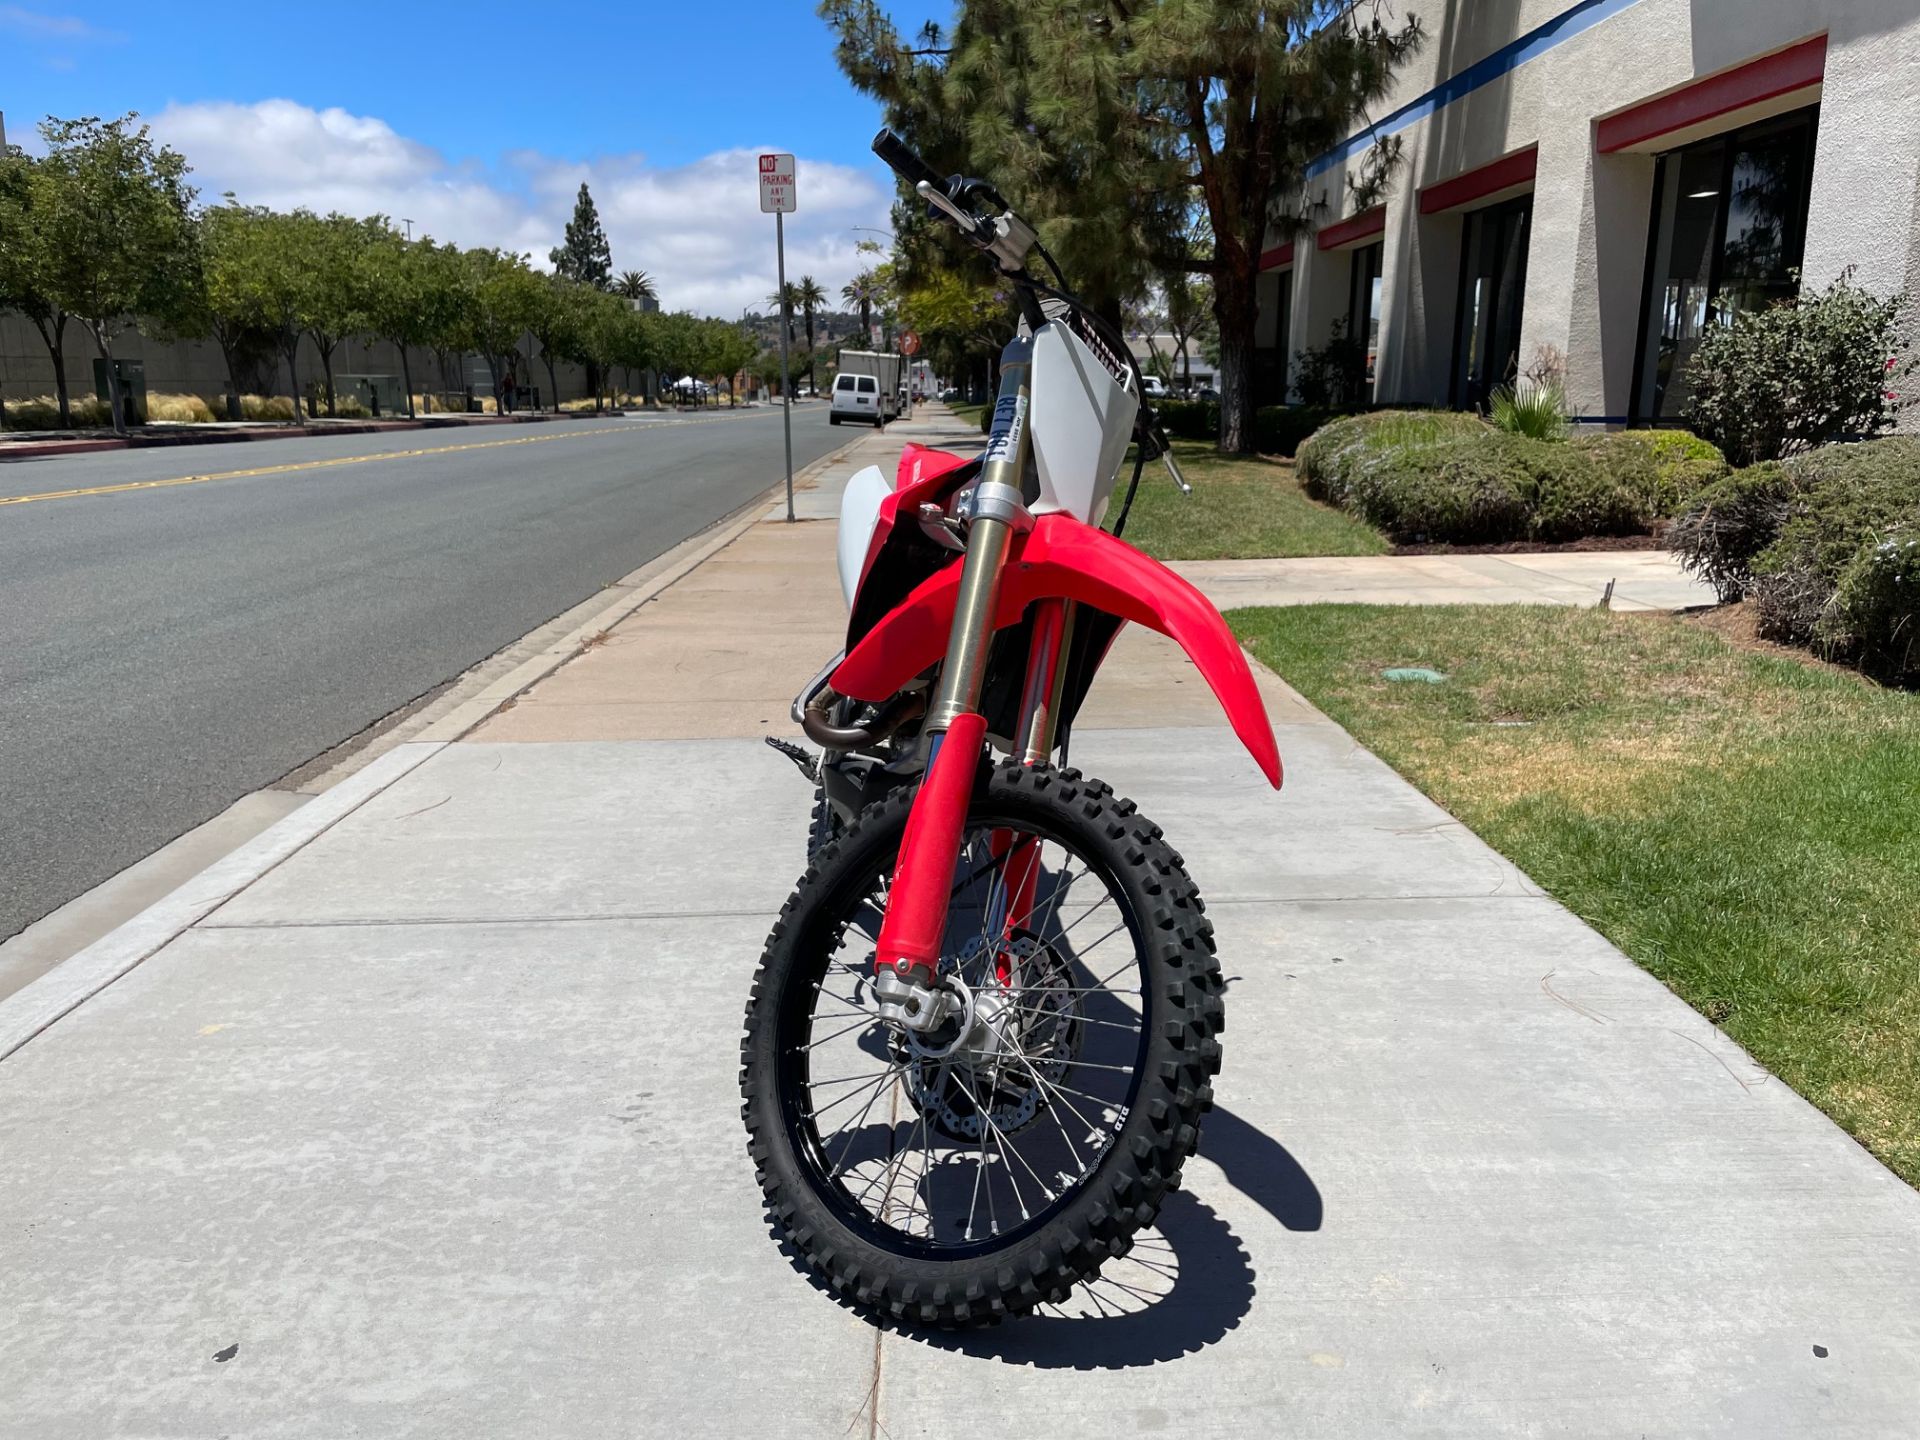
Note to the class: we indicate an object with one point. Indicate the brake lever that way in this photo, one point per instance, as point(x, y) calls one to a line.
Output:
point(937, 198)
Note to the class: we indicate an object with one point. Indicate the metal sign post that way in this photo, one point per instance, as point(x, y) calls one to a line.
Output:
point(778, 196)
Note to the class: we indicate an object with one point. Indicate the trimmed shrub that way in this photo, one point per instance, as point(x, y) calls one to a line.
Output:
point(1574, 495)
point(1335, 458)
point(1876, 606)
point(1729, 523)
point(1785, 380)
point(1845, 498)
point(1665, 468)
point(1470, 489)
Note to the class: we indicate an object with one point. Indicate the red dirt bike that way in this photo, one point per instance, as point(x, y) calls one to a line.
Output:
point(982, 1034)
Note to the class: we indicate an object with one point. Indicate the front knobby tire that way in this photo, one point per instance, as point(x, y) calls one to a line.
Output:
point(1155, 1085)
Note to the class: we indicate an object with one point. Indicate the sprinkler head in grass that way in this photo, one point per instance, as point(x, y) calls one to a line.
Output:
point(1414, 675)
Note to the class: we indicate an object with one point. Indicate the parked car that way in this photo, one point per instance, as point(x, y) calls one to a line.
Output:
point(1154, 387)
point(856, 397)
point(1206, 392)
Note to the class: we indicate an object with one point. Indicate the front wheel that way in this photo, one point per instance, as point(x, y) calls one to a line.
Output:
point(977, 1172)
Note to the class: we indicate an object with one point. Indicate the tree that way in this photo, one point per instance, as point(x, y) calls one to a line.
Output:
point(634, 285)
point(335, 301)
point(1190, 318)
point(585, 257)
point(810, 297)
point(396, 279)
point(1119, 127)
point(447, 305)
point(786, 300)
point(234, 305)
point(505, 294)
point(22, 252)
point(112, 223)
point(862, 292)
point(730, 350)
point(557, 319)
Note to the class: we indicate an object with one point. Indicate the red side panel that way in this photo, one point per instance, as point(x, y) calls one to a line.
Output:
point(1062, 556)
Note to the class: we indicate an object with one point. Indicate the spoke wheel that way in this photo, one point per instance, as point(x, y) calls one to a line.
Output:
point(985, 1168)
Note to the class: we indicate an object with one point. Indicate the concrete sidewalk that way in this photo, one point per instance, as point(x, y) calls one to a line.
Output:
point(1641, 579)
point(419, 1115)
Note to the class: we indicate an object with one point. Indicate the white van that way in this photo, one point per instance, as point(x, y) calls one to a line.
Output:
point(856, 397)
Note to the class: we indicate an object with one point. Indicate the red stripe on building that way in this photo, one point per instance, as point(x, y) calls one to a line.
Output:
point(1278, 258)
point(1781, 73)
point(1363, 226)
point(1502, 174)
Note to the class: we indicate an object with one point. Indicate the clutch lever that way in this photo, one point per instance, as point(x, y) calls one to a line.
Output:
point(937, 198)
point(1165, 447)
point(1173, 470)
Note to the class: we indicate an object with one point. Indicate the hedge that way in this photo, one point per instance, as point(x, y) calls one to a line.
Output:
point(1825, 544)
point(1443, 477)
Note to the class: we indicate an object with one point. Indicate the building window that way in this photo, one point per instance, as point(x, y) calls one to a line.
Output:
point(1363, 307)
point(1493, 285)
point(1729, 232)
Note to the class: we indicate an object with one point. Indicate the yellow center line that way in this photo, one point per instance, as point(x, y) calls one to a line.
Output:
point(325, 464)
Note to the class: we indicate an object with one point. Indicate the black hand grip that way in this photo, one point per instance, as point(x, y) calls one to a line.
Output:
point(909, 166)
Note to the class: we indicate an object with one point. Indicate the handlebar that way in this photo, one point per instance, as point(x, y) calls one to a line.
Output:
point(1008, 239)
point(907, 165)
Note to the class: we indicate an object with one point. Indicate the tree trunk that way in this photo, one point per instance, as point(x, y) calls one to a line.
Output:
point(406, 378)
point(553, 385)
point(326, 365)
point(1233, 304)
point(56, 343)
point(292, 352)
point(114, 403)
point(233, 381)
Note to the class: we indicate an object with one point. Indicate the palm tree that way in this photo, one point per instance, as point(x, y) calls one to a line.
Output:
point(634, 285)
point(786, 300)
point(810, 297)
point(863, 291)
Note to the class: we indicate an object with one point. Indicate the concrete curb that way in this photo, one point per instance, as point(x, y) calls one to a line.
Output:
point(36, 449)
point(77, 979)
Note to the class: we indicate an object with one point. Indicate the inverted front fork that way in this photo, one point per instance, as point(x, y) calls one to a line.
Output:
point(907, 956)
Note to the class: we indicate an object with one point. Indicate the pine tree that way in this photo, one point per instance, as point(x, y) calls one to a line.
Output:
point(585, 257)
point(1122, 129)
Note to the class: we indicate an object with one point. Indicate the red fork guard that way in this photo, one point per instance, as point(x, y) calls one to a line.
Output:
point(916, 918)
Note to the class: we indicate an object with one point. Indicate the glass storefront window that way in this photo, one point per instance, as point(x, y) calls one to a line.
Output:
point(1730, 227)
point(1363, 305)
point(1493, 284)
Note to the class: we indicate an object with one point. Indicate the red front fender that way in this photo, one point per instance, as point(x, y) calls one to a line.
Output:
point(1062, 557)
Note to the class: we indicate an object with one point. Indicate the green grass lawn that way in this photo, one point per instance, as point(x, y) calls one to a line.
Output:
point(1241, 508)
point(970, 413)
point(1742, 825)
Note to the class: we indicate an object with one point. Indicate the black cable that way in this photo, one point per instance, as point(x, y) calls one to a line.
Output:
point(1139, 464)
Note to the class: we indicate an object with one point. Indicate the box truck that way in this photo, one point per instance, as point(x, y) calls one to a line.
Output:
point(867, 387)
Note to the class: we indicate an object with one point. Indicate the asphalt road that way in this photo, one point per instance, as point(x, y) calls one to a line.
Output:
point(166, 650)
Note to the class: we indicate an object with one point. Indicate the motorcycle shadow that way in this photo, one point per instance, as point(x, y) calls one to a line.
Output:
point(1186, 1284)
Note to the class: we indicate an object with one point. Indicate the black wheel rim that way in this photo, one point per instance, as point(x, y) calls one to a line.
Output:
point(948, 1157)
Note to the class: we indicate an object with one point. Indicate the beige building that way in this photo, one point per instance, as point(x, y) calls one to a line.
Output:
point(1595, 182)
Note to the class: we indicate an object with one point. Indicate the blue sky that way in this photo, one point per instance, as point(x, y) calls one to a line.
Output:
point(481, 121)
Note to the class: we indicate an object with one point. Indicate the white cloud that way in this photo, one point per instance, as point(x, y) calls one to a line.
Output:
point(697, 229)
point(41, 26)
